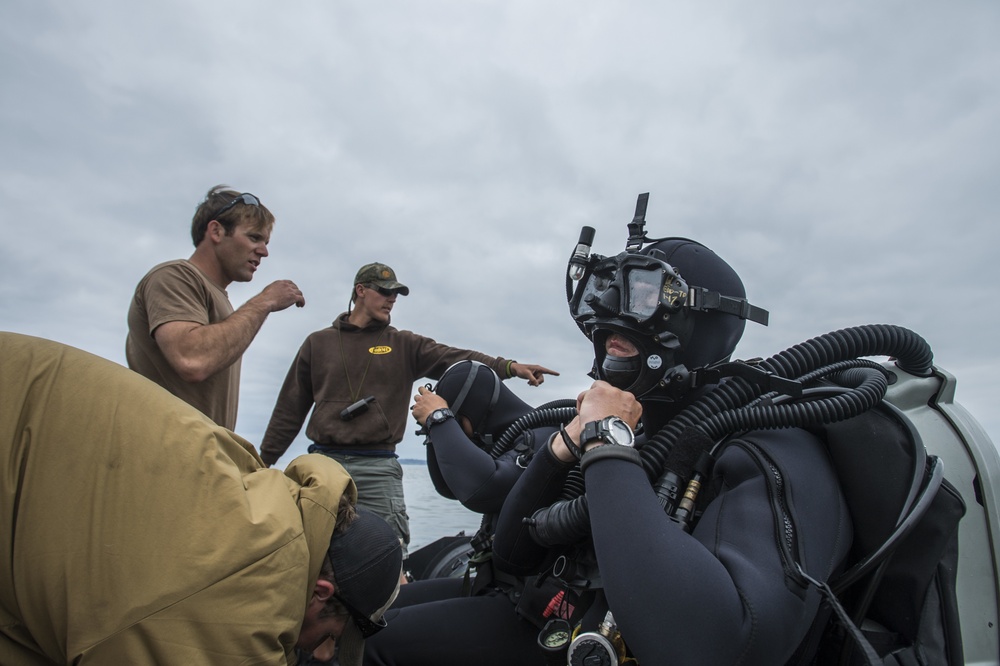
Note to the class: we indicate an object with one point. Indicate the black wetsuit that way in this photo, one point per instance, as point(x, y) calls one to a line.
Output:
point(437, 622)
point(727, 593)
point(724, 594)
point(457, 630)
point(463, 469)
point(474, 477)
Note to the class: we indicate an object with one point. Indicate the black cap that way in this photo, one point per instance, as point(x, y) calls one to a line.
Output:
point(367, 561)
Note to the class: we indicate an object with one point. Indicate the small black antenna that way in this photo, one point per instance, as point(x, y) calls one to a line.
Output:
point(636, 228)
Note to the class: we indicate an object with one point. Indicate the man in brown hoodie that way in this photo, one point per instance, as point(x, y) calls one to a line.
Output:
point(357, 377)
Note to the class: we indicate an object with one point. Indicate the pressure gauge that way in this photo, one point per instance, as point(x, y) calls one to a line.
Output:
point(555, 635)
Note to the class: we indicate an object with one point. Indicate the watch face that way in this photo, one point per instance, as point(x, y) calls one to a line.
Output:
point(620, 431)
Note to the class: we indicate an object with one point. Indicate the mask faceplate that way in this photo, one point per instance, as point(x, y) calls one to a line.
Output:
point(636, 288)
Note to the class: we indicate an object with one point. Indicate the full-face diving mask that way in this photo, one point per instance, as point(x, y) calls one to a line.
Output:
point(647, 299)
point(633, 287)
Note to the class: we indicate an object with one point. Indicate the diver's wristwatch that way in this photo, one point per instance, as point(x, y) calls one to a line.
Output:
point(438, 416)
point(610, 430)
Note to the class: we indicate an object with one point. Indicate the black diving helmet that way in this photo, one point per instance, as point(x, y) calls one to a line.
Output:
point(676, 301)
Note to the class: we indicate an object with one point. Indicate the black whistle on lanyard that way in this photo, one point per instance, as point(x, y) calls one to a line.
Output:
point(358, 408)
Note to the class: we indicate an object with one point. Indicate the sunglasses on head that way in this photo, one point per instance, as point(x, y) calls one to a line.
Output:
point(245, 198)
point(365, 625)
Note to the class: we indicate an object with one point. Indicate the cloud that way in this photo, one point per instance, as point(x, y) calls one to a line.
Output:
point(838, 156)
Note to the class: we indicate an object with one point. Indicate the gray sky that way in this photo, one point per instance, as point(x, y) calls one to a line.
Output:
point(838, 156)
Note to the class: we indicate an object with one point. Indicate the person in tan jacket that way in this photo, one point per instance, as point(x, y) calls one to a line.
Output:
point(134, 530)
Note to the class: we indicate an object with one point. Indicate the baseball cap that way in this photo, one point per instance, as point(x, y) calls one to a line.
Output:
point(367, 561)
point(380, 275)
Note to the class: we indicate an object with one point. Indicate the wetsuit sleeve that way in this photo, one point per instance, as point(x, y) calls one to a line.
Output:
point(539, 486)
point(291, 408)
point(723, 594)
point(477, 480)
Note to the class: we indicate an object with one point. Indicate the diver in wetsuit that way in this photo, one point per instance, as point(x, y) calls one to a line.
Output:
point(447, 620)
point(732, 589)
point(463, 417)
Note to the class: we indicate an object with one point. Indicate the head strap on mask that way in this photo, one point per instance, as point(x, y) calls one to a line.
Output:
point(645, 291)
point(704, 300)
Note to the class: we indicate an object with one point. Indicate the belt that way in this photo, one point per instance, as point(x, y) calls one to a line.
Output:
point(367, 453)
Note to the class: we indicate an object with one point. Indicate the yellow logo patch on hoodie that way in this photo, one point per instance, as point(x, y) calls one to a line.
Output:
point(381, 349)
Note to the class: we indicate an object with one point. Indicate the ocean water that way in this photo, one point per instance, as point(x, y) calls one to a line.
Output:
point(432, 516)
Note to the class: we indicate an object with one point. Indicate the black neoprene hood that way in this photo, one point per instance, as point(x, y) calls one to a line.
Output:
point(474, 390)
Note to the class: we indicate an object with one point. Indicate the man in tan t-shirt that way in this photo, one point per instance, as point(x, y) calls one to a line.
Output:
point(183, 332)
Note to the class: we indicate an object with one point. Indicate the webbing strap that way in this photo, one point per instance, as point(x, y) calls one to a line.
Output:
point(704, 300)
point(470, 380)
point(871, 657)
point(466, 387)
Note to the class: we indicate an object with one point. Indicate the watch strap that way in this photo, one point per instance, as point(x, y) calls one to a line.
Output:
point(445, 415)
point(601, 452)
point(591, 431)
